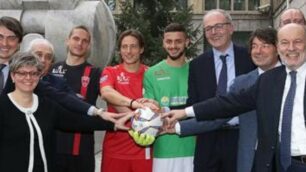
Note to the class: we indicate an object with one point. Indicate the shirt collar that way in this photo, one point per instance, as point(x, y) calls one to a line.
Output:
point(260, 71)
point(229, 51)
point(300, 71)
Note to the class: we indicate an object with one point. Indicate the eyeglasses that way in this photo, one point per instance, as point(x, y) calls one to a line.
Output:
point(10, 38)
point(23, 74)
point(217, 27)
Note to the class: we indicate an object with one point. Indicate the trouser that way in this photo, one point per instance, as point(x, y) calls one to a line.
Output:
point(70, 163)
point(217, 151)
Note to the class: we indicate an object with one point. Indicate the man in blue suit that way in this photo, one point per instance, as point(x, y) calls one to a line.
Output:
point(262, 46)
point(216, 150)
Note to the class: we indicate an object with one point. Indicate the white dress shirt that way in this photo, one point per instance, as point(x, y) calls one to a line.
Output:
point(298, 131)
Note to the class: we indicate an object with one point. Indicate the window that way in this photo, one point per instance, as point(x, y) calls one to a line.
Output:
point(182, 3)
point(253, 4)
point(210, 4)
point(239, 5)
point(231, 5)
point(225, 4)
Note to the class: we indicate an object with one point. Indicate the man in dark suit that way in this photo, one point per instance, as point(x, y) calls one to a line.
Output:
point(216, 150)
point(279, 99)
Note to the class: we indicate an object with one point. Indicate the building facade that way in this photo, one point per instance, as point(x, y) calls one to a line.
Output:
point(246, 14)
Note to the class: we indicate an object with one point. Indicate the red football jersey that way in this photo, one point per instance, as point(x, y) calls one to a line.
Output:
point(119, 144)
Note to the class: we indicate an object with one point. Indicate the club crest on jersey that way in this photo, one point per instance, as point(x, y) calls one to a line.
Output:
point(59, 71)
point(122, 79)
point(85, 81)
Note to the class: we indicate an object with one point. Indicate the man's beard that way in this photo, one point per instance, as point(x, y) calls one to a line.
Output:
point(177, 56)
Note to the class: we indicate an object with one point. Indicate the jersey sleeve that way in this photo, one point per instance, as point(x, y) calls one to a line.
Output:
point(108, 77)
point(148, 85)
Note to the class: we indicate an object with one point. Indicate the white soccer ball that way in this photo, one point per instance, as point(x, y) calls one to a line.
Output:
point(148, 122)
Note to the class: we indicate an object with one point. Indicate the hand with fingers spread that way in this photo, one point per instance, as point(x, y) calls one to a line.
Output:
point(152, 104)
point(141, 138)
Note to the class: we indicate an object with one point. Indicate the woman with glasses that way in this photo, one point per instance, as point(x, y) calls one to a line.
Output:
point(28, 123)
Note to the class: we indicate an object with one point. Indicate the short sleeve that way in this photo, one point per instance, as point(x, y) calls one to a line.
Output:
point(107, 77)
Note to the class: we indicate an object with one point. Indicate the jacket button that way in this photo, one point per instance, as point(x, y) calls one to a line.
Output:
point(272, 147)
point(267, 165)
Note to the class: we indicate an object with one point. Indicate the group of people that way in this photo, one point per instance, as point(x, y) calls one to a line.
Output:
point(226, 114)
point(269, 100)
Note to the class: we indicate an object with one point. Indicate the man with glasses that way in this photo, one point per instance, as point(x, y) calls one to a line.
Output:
point(216, 150)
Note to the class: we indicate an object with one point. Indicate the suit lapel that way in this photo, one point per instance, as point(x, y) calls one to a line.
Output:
point(238, 61)
point(9, 86)
point(277, 95)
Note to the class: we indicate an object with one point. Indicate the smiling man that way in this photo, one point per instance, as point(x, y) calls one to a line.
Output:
point(76, 150)
point(212, 74)
point(166, 82)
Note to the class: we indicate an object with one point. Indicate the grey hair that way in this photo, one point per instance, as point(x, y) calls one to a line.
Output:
point(37, 41)
point(22, 59)
point(220, 11)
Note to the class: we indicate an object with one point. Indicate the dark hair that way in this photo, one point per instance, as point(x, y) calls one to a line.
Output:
point(13, 25)
point(134, 33)
point(175, 27)
point(80, 27)
point(267, 35)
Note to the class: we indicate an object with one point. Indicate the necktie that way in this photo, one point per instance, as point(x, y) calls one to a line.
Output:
point(1, 77)
point(285, 152)
point(222, 83)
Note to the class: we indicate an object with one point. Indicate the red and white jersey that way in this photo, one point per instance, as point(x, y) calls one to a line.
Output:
point(119, 144)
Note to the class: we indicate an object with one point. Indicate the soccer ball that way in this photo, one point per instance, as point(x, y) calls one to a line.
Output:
point(148, 122)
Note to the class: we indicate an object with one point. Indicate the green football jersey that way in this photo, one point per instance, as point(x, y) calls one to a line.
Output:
point(168, 85)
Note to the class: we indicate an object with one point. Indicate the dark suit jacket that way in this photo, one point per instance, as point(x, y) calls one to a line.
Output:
point(202, 85)
point(69, 101)
point(247, 125)
point(266, 97)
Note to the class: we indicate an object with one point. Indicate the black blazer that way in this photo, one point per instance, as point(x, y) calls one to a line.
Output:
point(202, 82)
point(67, 100)
point(266, 97)
point(202, 85)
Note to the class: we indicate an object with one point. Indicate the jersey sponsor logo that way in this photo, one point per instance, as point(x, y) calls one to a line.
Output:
point(59, 71)
point(163, 78)
point(85, 81)
point(122, 79)
point(103, 78)
point(162, 75)
point(173, 101)
point(164, 101)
